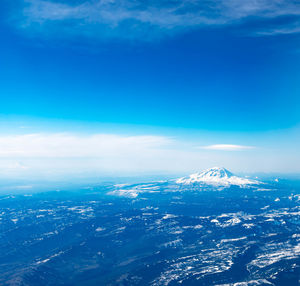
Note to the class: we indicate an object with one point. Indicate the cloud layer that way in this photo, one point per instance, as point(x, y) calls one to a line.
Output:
point(227, 147)
point(60, 154)
point(78, 155)
point(124, 18)
point(63, 145)
point(55, 154)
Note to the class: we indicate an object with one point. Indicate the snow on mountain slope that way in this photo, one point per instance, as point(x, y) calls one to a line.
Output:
point(216, 176)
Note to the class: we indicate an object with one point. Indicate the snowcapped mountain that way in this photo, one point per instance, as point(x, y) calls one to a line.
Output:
point(216, 176)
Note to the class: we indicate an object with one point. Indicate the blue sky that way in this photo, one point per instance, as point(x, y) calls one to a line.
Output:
point(203, 73)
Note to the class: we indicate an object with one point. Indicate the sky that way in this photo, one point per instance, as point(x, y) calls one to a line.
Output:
point(118, 87)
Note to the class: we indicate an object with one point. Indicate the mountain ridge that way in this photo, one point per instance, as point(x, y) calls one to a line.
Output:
point(216, 176)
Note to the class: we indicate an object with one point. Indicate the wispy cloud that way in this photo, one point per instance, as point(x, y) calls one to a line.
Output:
point(60, 154)
point(281, 30)
point(100, 18)
point(227, 147)
point(64, 153)
point(63, 145)
point(82, 155)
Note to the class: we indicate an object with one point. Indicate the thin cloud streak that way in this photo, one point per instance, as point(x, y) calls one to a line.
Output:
point(73, 155)
point(227, 147)
point(52, 154)
point(111, 18)
point(63, 145)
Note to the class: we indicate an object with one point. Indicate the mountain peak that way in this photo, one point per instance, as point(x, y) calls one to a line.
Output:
point(216, 172)
point(215, 176)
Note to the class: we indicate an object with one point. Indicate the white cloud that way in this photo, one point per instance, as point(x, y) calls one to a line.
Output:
point(64, 145)
point(112, 17)
point(227, 147)
point(72, 156)
point(291, 29)
point(68, 154)
point(52, 154)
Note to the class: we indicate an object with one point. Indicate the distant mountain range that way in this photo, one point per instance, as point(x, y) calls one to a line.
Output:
point(210, 179)
point(216, 176)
